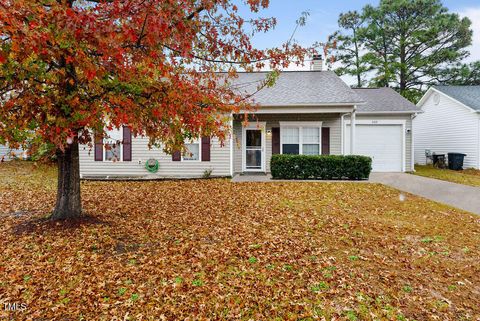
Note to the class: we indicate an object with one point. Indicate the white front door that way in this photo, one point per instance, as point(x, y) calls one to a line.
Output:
point(253, 150)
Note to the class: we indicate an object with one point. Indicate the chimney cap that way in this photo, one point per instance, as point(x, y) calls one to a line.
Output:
point(317, 63)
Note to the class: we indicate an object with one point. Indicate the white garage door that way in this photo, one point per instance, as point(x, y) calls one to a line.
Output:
point(383, 143)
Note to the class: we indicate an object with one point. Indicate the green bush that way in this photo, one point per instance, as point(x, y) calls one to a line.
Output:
point(351, 167)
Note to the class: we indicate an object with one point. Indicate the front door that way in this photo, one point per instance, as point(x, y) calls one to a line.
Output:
point(254, 150)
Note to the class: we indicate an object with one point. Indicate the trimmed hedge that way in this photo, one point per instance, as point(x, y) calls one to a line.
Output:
point(322, 167)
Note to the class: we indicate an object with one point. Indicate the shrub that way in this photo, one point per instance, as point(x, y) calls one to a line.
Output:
point(323, 167)
point(207, 173)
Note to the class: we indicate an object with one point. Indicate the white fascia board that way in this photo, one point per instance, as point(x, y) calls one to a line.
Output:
point(301, 123)
point(425, 97)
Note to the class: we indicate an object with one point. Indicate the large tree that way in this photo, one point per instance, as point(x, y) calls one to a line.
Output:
point(72, 69)
point(409, 43)
point(376, 38)
point(462, 74)
point(349, 47)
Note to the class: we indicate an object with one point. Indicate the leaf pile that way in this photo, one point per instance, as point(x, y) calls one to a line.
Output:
point(212, 249)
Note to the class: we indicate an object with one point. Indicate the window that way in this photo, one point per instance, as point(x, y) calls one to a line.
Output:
point(291, 140)
point(311, 141)
point(192, 152)
point(301, 138)
point(113, 146)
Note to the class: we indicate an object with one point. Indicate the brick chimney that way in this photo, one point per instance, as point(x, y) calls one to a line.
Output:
point(317, 63)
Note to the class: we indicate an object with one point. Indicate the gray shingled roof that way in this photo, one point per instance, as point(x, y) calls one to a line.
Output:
point(383, 100)
point(467, 95)
point(298, 88)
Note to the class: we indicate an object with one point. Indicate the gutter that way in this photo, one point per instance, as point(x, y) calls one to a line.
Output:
point(405, 112)
point(315, 105)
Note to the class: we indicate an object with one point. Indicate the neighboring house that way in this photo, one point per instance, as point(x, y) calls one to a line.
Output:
point(306, 112)
point(7, 153)
point(450, 122)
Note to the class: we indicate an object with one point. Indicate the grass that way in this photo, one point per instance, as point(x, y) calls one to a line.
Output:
point(467, 177)
point(212, 249)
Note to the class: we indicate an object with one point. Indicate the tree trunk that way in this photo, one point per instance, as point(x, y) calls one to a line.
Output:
point(357, 59)
point(68, 204)
point(403, 65)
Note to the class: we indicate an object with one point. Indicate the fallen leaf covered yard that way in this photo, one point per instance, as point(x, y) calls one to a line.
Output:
point(254, 251)
point(156, 111)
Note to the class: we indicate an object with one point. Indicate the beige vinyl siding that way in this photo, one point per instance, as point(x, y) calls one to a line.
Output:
point(333, 121)
point(219, 163)
point(408, 136)
point(445, 128)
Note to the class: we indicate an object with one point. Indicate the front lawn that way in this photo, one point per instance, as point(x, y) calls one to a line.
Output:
point(212, 249)
point(467, 177)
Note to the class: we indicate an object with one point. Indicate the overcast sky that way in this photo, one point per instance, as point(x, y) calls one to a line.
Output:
point(324, 14)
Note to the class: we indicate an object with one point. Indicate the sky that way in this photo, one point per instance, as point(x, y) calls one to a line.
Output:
point(324, 15)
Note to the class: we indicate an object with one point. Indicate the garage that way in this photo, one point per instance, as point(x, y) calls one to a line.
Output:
point(384, 143)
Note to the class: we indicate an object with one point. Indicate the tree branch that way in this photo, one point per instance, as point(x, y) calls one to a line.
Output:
point(196, 12)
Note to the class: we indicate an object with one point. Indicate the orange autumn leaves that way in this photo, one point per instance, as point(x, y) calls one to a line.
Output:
point(211, 249)
point(69, 66)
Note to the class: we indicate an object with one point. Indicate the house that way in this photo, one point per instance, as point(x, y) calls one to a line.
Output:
point(450, 122)
point(7, 153)
point(305, 112)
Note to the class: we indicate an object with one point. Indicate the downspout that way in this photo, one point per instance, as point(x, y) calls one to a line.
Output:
point(412, 133)
point(353, 128)
point(342, 136)
point(231, 146)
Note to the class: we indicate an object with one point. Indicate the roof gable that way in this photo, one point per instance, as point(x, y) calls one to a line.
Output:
point(466, 95)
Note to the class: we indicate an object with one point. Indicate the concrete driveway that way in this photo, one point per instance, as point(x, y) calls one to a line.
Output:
point(456, 195)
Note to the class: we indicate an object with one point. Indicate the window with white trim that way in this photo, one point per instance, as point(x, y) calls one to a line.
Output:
point(311, 141)
point(192, 152)
point(112, 145)
point(291, 140)
point(301, 139)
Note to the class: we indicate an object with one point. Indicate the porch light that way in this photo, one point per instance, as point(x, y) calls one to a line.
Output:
point(269, 133)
